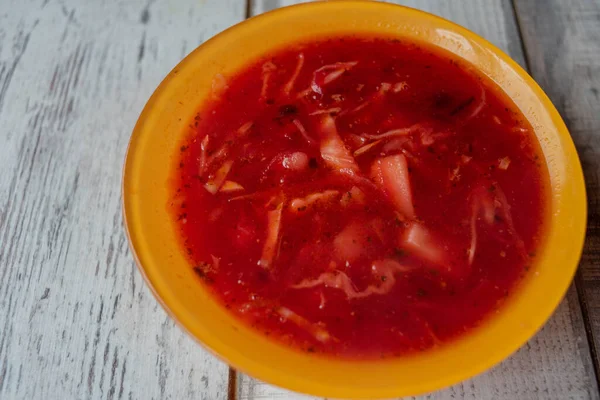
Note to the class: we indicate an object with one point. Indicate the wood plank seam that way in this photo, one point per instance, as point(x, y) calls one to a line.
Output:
point(248, 8)
point(587, 324)
point(520, 35)
point(232, 385)
point(578, 280)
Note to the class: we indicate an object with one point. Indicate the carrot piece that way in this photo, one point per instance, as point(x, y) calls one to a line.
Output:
point(243, 130)
point(231, 186)
point(203, 151)
point(214, 184)
point(366, 148)
point(333, 110)
point(272, 240)
point(300, 203)
point(503, 163)
point(391, 173)
point(399, 86)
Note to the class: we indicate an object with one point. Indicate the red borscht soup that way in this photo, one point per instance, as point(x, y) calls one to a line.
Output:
point(360, 197)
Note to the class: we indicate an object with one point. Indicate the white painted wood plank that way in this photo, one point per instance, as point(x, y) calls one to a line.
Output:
point(76, 319)
point(556, 363)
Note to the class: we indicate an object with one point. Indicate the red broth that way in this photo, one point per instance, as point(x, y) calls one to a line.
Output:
point(360, 197)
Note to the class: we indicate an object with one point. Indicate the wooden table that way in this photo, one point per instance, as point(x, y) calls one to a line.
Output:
point(77, 320)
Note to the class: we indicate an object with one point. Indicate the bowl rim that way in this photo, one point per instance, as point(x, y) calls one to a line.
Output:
point(296, 385)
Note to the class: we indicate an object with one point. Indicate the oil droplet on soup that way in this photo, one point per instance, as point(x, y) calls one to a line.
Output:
point(360, 197)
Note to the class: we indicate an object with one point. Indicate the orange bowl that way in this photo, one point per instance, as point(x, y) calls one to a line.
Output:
point(157, 251)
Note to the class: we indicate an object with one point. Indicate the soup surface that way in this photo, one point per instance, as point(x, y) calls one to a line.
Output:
point(359, 197)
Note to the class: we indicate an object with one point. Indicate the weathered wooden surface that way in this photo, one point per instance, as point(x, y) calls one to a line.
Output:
point(76, 319)
point(562, 40)
point(556, 363)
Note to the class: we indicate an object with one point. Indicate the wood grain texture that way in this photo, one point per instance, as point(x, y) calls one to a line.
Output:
point(562, 40)
point(76, 319)
point(556, 363)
